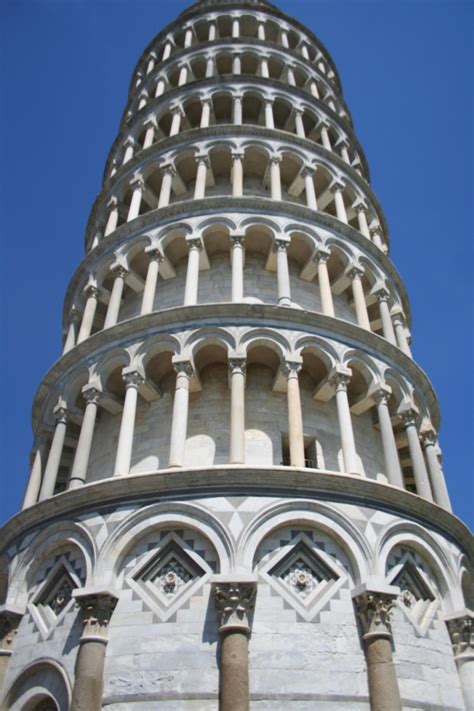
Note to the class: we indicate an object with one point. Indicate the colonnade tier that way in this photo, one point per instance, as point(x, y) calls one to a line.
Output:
point(238, 161)
point(312, 384)
point(296, 266)
point(234, 101)
point(202, 27)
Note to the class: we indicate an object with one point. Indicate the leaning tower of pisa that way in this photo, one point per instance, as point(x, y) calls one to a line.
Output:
point(236, 497)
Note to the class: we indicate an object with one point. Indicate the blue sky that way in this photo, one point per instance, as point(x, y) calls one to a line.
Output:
point(407, 74)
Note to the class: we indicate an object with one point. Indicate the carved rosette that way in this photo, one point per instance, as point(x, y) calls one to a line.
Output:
point(461, 631)
point(374, 610)
point(96, 610)
point(9, 622)
point(234, 602)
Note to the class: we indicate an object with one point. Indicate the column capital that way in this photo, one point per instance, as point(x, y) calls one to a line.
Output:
point(309, 170)
point(275, 158)
point(234, 600)
point(91, 393)
point(343, 142)
point(398, 317)
point(74, 314)
point(268, 99)
point(291, 368)
point(130, 141)
point(237, 154)
point(96, 608)
point(183, 366)
point(177, 109)
point(322, 254)
point(461, 631)
point(112, 201)
point(337, 186)
point(10, 619)
point(137, 182)
point(91, 290)
point(281, 242)
point(237, 238)
point(408, 415)
point(381, 293)
point(373, 609)
point(381, 393)
point(151, 121)
point(167, 168)
point(194, 242)
point(202, 158)
point(132, 378)
point(360, 206)
point(60, 412)
point(340, 377)
point(153, 253)
point(356, 270)
point(119, 270)
point(237, 364)
point(428, 437)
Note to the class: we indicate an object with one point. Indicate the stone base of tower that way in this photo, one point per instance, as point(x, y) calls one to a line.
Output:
point(154, 569)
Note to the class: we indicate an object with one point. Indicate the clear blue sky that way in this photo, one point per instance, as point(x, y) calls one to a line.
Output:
point(407, 74)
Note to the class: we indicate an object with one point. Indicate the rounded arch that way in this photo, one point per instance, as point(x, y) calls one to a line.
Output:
point(273, 340)
point(315, 515)
point(141, 522)
point(43, 679)
point(209, 336)
point(115, 359)
point(62, 535)
point(415, 537)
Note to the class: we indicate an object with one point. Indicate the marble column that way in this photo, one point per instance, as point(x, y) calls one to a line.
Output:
point(308, 175)
point(36, 473)
point(261, 31)
point(201, 174)
point(236, 64)
point(340, 380)
point(212, 32)
point(373, 609)
point(151, 280)
point(183, 76)
point(290, 76)
point(81, 459)
point(113, 307)
point(338, 190)
point(361, 210)
point(112, 219)
point(133, 379)
point(264, 72)
point(326, 141)
point(461, 631)
point(188, 37)
point(376, 237)
point(344, 148)
point(89, 313)
point(205, 113)
point(269, 121)
point(325, 293)
point(55, 453)
point(235, 28)
point(399, 325)
point(295, 416)
point(151, 127)
point(237, 174)
point(151, 63)
point(167, 51)
point(70, 341)
point(235, 601)
point(275, 179)
point(299, 125)
point(192, 272)
point(176, 120)
point(130, 146)
point(237, 258)
point(390, 453)
point(416, 455)
point(168, 173)
point(280, 246)
point(9, 622)
point(179, 422)
point(313, 87)
point(160, 87)
point(438, 484)
point(209, 66)
point(237, 109)
point(138, 186)
point(237, 410)
point(284, 39)
point(360, 303)
point(383, 296)
point(96, 609)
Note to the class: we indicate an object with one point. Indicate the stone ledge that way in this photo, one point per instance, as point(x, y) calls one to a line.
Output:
point(227, 480)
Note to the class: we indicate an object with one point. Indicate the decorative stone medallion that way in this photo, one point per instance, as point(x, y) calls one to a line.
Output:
point(418, 599)
point(54, 597)
point(169, 576)
point(306, 577)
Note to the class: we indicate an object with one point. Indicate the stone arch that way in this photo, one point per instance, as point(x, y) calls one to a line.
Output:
point(162, 515)
point(43, 679)
point(415, 537)
point(313, 514)
point(63, 536)
point(199, 339)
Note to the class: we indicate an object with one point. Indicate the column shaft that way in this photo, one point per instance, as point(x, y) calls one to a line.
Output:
point(136, 201)
point(275, 180)
point(387, 325)
point(205, 113)
point(418, 463)
point(150, 284)
point(34, 481)
point(383, 685)
point(325, 292)
point(237, 176)
point(192, 275)
point(390, 452)
point(165, 191)
point(283, 275)
point(438, 484)
point(345, 427)
point(54, 458)
point(179, 423)
point(234, 678)
point(127, 426)
point(237, 413)
point(83, 450)
point(88, 315)
point(311, 201)
point(340, 207)
point(201, 173)
point(237, 269)
point(113, 308)
point(359, 301)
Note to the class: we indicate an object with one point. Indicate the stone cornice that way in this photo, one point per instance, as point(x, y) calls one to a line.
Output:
point(226, 480)
point(228, 314)
point(272, 12)
point(218, 82)
point(189, 139)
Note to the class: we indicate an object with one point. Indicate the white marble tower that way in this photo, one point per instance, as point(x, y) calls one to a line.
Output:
point(236, 498)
